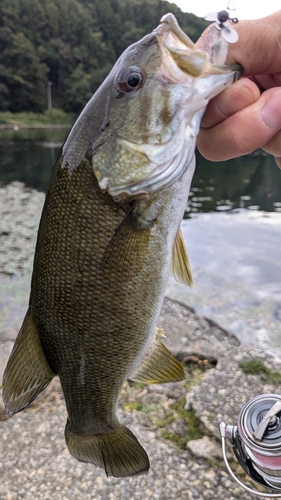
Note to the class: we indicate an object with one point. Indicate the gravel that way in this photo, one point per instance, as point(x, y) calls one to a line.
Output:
point(34, 460)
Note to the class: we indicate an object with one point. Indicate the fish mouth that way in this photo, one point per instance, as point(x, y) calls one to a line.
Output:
point(190, 60)
point(180, 57)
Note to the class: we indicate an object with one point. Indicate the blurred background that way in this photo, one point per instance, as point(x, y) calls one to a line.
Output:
point(53, 56)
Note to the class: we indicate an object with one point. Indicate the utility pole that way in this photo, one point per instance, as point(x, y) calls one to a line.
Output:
point(49, 94)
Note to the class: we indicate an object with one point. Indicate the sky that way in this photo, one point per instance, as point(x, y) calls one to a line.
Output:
point(245, 9)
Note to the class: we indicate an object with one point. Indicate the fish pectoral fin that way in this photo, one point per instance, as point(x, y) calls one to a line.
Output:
point(119, 453)
point(180, 267)
point(27, 372)
point(159, 366)
point(128, 245)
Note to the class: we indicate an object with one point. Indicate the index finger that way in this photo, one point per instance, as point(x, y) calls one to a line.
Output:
point(251, 128)
point(239, 95)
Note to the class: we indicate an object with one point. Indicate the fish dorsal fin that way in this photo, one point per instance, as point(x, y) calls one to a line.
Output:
point(27, 372)
point(180, 267)
point(159, 366)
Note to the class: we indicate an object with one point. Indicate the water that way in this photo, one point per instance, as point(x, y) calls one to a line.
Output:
point(252, 181)
point(232, 233)
point(236, 269)
point(29, 156)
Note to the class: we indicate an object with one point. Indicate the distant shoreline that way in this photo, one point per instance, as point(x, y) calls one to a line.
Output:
point(10, 126)
point(53, 119)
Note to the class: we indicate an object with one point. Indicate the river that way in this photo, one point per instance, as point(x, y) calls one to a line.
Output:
point(232, 232)
point(253, 181)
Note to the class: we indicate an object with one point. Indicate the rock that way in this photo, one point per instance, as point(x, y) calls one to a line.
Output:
point(188, 398)
point(204, 448)
point(33, 454)
point(5, 349)
point(223, 391)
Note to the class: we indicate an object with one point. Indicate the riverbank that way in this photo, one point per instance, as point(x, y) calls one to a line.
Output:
point(9, 126)
point(50, 119)
point(176, 423)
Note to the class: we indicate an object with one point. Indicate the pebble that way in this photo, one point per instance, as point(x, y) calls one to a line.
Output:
point(204, 448)
point(34, 461)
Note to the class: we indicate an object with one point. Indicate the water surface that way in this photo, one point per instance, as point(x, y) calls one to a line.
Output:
point(232, 234)
point(28, 156)
point(252, 181)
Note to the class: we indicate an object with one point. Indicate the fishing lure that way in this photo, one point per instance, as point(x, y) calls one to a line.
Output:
point(220, 35)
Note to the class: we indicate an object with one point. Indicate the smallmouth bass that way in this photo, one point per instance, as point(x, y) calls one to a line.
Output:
point(108, 238)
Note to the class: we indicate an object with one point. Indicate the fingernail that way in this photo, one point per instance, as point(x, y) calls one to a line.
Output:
point(271, 111)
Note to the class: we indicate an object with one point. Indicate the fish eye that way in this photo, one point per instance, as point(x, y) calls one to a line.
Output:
point(130, 79)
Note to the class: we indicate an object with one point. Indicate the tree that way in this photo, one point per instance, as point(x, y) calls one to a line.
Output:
point(24, 76)
point(72, 43)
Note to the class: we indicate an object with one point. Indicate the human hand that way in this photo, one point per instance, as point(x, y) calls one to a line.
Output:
point(247, 115)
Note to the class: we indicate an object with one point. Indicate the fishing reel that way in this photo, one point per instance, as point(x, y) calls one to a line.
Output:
point(256, 442)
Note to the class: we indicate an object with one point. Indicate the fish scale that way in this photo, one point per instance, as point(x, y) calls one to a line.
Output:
point(94, 305)
point(108, 239)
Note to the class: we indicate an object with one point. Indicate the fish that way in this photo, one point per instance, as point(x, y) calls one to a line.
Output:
point(108, 239)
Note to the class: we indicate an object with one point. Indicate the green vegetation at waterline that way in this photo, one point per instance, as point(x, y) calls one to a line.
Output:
point(29, 118)
point(72, 45)
point(257, 367)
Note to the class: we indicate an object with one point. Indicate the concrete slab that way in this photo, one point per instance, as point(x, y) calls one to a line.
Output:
point(236, 266)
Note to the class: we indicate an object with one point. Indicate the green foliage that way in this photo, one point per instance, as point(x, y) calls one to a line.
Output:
point(257, 367)
point(191, 422)
point(73, 44)
point(24, 76)
point(50, 117)
point(138, 406)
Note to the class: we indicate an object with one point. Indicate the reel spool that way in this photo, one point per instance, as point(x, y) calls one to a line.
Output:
point(256, 442)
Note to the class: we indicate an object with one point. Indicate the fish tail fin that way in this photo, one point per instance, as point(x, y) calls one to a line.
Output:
point(119, 453)
point(27, 372)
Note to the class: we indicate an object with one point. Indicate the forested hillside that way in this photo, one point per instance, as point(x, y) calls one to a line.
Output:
point(71, 43)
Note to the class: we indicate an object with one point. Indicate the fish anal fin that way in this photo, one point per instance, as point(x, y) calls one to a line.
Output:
point(159, 366)
point(27, 372)
point(180, 267)
point(119, 453)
